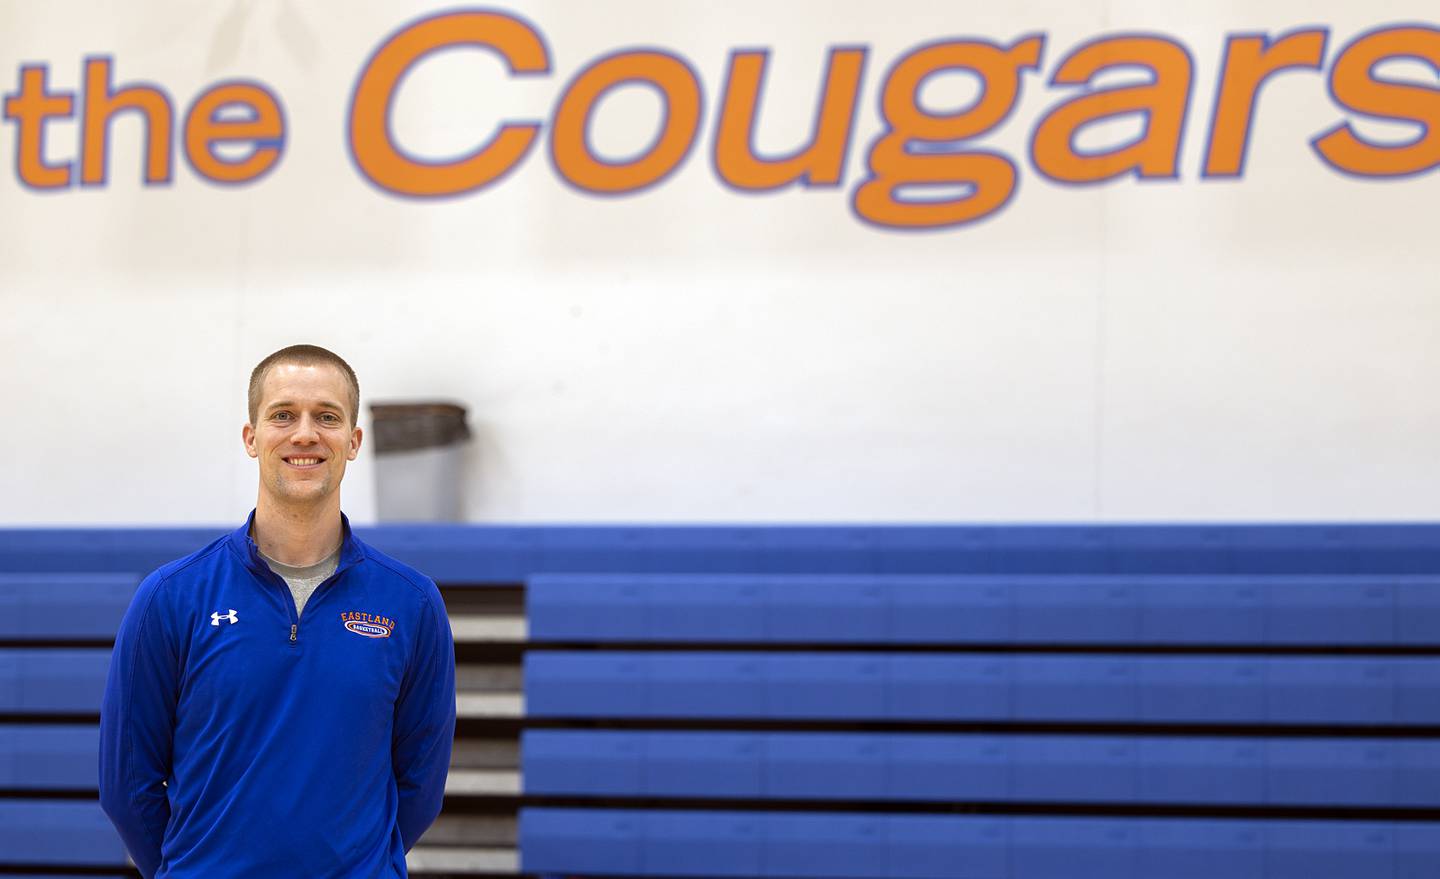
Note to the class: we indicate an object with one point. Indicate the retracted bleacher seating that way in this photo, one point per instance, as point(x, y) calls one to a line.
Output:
point(853, 703)
point(49, 703)
point(984, 727)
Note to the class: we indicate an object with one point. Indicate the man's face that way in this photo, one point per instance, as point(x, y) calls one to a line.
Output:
point(302, 435)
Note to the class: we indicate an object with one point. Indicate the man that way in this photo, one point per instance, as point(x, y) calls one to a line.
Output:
point(281, 704)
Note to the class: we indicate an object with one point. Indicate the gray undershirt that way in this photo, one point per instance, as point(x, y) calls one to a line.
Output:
point(303, 581)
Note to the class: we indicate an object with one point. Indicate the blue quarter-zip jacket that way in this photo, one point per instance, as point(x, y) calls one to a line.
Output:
point(240, 740)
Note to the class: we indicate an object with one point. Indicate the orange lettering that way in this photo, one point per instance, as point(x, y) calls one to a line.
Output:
point(989, 177)
point(1249, 61)
point(101, 105)
point(821, 162)
point(1355, 87)
point(383, 161)
point(204, 128)
point(1163, 102)
point(31, 106)
point(568, 144)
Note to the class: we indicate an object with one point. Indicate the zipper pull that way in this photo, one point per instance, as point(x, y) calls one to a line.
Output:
point(293, 627)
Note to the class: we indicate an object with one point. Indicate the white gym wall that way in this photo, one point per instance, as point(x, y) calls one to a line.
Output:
point(1258, 349)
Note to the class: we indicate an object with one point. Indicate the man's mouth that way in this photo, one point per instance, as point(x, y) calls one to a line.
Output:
point(304, 463)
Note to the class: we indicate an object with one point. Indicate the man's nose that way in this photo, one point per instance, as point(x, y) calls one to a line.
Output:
point(305, 430)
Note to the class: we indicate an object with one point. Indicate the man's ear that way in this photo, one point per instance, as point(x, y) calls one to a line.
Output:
point(247, 435)
point(355, 437)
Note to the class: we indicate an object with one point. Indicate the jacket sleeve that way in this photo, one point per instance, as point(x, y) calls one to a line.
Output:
point(425, 721)
point(137, 723)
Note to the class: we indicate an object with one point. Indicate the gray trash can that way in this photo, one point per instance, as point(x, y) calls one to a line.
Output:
point(418, 450)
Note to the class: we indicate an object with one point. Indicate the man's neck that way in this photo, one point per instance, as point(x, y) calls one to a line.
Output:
point(297, 536)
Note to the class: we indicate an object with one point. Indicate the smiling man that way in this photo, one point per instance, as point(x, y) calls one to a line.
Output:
point(282, 702)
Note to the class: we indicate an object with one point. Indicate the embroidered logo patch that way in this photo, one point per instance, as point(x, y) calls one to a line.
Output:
point(368, 624)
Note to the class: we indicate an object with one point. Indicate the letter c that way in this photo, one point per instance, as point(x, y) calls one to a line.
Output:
point(373, 148)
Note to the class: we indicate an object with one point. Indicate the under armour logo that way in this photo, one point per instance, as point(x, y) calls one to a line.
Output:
point(216, 617)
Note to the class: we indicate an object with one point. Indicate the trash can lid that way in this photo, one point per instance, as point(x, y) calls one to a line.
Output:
point(404, 427)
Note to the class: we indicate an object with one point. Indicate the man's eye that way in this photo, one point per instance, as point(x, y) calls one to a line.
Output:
point(281, 415)
point(330, 416)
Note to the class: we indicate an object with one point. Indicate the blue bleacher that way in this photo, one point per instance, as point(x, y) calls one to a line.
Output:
point(49, 756)
point(1373, 691)
point(45, 680)
point(1053, 609)
point(648, 842)
point(955, 767)
point(1276, 688)
point(63, 606)
point(469, 554)
point(723, 764)
point(794, 658)
point(60, 832)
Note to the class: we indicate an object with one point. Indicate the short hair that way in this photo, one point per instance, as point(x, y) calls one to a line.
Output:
point(303, 355)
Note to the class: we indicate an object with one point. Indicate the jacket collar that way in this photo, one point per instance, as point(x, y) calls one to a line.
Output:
point(352, 551)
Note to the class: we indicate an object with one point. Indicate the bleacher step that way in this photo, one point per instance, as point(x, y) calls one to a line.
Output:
point(483, 782)
point(480, 705)
point(462, 859)
point(489, 628)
